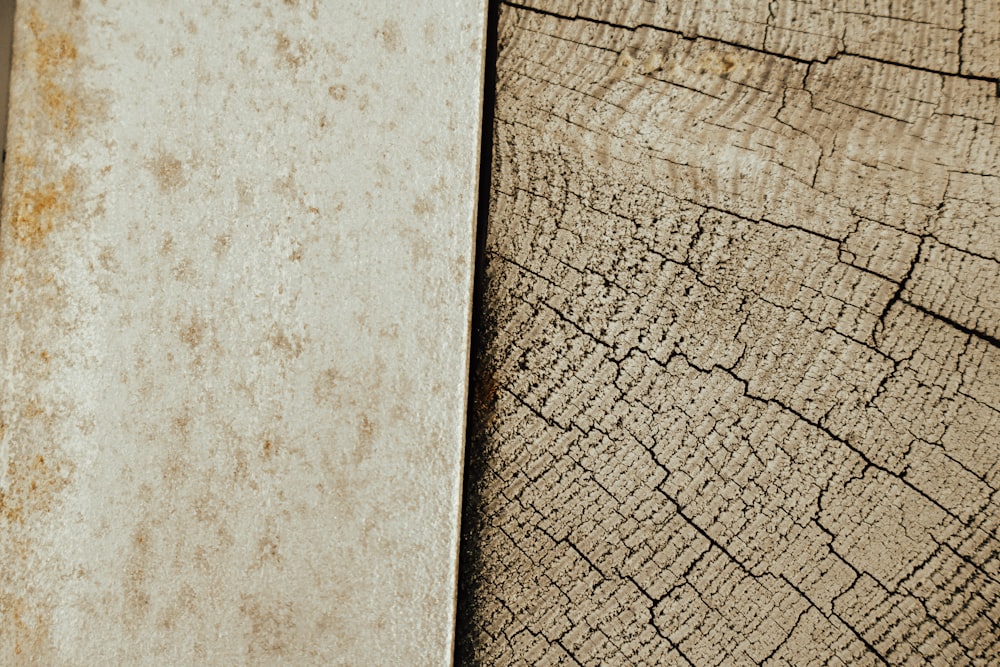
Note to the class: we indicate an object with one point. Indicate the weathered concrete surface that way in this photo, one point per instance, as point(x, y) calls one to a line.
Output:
point(740, 397)
point(236, 263)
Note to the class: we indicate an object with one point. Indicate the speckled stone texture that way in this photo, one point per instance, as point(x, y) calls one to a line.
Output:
point(236, 264)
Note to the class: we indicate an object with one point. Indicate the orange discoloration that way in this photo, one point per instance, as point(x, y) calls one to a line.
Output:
point(423, 206)
point(169, 172)
point(194, 333)
point(221, 244)
point(269, 544)
point(272, 626)
point(167, 245)
point(268, 550)
point(391, 35)
point(290, 345)
point(62, 108)
point(35, 481)
point(53, 49)
point(289, 54)
point(32, 410)
point(184, 270)
point(366, 439)
point(54, 53)
point(137, 599)
point(326, 385)
point(29, 630)
point(36, 211)
point(338, 92)
point(43, 198)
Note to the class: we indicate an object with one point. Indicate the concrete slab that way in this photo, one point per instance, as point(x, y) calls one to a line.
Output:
point(236, 271)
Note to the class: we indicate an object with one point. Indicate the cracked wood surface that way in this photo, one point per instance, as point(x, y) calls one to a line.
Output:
point(739, 396)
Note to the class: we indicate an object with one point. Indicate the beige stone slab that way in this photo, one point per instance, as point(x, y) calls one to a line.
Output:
point(236, 265)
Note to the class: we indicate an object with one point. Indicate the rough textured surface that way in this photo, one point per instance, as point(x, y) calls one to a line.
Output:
point(236, 268)
point(739, 400)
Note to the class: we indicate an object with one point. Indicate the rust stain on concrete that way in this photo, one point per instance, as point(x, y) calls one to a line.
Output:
point(169, 171)
point(38, 210)
point(45, 191)
point(42, 195)
point(54, 51)
point(290, 54)
point(29, 630)
point(390, 35)
point(175, 458)
point(34, 484)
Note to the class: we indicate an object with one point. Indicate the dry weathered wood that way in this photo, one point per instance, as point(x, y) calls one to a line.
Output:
point(740, 396)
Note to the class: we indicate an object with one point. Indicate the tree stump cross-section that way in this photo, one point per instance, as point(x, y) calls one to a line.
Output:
point(738, 397)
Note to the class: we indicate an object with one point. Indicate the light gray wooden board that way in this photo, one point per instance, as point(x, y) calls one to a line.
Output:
point(236, 270)
point(739, 401)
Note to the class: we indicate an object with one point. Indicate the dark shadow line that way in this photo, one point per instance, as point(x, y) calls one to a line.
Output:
point(7, 10)
point(468, 555)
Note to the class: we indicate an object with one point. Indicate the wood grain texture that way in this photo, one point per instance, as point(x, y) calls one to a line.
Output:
point(739, 395)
